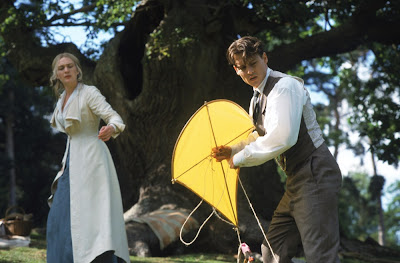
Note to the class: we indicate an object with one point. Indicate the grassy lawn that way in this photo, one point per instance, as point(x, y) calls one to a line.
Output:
point(209, 258)
point(36, 253)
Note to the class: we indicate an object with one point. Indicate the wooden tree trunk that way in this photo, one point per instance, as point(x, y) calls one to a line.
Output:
point(381, 220)
point(156, 105)
point(10, 149)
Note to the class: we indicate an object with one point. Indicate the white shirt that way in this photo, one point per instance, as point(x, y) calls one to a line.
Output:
point(282, 124)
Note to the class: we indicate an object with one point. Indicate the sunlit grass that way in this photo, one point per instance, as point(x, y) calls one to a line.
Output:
point(189, 258)
point(36, 253)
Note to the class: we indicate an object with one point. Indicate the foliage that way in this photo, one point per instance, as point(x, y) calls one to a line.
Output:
point(161, 43)
point(373, 116)
point(38, 153)
point(41, 19)
point(376, 107)
point(358, 208)
point(375, 102)
point(355, 209)
point(392, 216)
point(323, 76)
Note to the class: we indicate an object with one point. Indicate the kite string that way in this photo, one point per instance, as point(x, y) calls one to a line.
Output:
point(240, 243)
point(200, 228)
point(236, 228)
point(205, 221)
point(222, 219)
point(258, 221)
point(191, 213)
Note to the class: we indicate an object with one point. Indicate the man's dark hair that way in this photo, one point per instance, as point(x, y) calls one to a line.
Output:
point(247, 46)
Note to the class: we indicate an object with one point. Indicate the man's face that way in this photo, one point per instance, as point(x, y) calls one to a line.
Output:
point(253, 71)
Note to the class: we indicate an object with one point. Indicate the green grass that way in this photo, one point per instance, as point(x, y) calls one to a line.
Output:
point(189, 258)
point(36, 253)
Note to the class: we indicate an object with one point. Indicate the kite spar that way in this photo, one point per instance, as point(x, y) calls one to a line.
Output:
point(219, 122)
point(216, 123)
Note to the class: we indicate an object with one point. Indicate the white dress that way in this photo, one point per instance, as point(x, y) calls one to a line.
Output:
point(96, 213)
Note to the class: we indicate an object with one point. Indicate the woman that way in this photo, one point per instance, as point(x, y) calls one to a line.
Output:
point(85, 222)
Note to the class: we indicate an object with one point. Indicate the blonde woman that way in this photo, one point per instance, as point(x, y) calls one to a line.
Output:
point(85, 221)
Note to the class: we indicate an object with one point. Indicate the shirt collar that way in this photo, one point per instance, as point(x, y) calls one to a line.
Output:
point(260, 88)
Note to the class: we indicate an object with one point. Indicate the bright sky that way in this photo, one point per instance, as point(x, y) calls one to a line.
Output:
point(346, 159)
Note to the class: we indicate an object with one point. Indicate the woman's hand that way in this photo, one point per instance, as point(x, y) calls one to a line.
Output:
point(106, 132)
point(221, 153)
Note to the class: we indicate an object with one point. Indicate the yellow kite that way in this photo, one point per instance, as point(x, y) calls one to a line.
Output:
point(216, 123)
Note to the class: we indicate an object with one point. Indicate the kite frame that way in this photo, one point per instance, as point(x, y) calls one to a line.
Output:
point(173, 180)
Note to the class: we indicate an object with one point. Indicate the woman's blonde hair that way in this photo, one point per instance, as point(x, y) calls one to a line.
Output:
point(57, 85)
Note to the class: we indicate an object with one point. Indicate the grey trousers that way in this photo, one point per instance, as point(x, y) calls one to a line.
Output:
point(307, 213)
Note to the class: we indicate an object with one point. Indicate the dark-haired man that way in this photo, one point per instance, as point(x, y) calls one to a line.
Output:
point(287, 131)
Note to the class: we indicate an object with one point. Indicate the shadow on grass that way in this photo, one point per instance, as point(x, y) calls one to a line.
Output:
point(38, 241)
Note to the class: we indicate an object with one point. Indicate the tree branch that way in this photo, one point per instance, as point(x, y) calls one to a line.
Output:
point(83, 9)
point(339, 40)
point(246, 21)
point(72, 24)
point(34, 62)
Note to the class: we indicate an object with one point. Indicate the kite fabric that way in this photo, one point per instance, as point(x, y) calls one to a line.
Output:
point(216, 123)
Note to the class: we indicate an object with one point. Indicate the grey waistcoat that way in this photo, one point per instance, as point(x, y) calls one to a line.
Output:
point(310, 134)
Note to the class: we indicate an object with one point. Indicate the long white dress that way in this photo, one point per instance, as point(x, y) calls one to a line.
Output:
point(96, 212)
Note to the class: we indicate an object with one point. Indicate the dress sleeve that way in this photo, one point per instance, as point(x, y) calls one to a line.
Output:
point(98, 104)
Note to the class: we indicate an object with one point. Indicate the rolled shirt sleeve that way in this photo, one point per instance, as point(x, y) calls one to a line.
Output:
point(282, 124)
point(240, 146)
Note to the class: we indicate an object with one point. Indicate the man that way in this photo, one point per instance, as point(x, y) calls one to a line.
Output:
point(287, 131)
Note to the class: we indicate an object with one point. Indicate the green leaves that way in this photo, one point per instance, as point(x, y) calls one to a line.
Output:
point(111, 13)
point(161, 43)
point(376, 105)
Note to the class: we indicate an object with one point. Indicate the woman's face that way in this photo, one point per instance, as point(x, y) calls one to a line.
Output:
point(67, 72)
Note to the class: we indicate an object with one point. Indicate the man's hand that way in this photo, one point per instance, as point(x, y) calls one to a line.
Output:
point(106, 132)
point(231, 164)
point(221, 153)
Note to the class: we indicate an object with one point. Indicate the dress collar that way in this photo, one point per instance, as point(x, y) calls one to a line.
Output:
point(62, 98)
